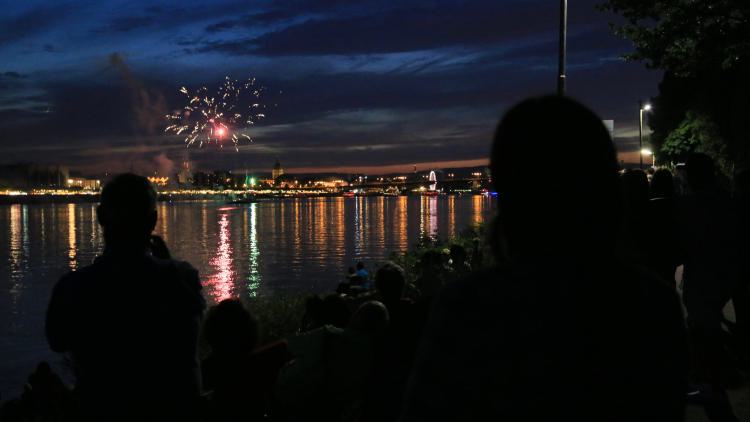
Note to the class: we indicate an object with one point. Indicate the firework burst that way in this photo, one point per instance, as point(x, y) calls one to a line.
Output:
point(218, 117)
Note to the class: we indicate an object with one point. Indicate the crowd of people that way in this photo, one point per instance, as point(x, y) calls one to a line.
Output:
point(578, 317)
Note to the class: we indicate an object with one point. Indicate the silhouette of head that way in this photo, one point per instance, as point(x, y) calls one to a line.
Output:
point(371, 318)
point(127, 211)
point(701, 173)
point(390, 282)
point(230, 328)
point(555, 170)
point(431, 261)
point(458, 255)
point(635, 186)
point(662, 184)
point(360, 265)
point(314, 309)
point(334, 311)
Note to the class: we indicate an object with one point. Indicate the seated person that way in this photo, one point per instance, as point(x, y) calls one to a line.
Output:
point(327, 377)
point(240, 375)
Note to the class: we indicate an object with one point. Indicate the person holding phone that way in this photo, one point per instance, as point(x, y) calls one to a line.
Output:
point(130, 320)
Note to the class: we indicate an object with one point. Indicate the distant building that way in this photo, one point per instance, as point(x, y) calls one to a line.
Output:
point(85, 184)
point(277, 170)
point(183, 176)
point(218, 179)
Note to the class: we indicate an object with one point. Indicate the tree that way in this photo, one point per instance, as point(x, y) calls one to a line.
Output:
point(697, 133)
point(686, 37)
point(704, 48)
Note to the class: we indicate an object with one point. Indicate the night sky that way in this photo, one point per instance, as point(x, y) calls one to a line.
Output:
point(370, 85)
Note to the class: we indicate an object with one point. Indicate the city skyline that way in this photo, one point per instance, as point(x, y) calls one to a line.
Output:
point(350, 85)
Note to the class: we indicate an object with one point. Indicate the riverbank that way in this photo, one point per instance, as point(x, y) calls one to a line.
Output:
point(227, 196)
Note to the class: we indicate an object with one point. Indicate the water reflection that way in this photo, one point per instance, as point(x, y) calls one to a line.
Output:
point(72, 249)
point(16, 247)
point(339, 225)
point(477, 203)
point(95, 239)
point(451, 216)
point(400, 222)
point(253, 278)
point(380, 212)
point(221, 281)
point(428, 224)
point(358, 225)
point(163, 227)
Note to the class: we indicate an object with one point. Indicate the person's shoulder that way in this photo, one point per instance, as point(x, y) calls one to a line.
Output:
point(645, 278)
point(186, 269)
point(651, 289)
point(182, 269)
point(472, 289)
point(479, 281)
point(74, 280)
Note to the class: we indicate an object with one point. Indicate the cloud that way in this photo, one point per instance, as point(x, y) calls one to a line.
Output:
point(125, 24)
point(421, 26)
point(391, 31)
point(12, 75)
point(49, 48)
point(251, 20)
point(31, 22)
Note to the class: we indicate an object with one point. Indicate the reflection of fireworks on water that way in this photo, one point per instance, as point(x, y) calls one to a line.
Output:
point(213, 118)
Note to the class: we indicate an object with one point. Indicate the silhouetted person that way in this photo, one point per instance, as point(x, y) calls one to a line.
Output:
point(661, 246)
point(45, 398)
point(741, 296)
point(430, 278)
point(710, 254)
point(662, 185)
point(327, 378)
point(395, 349)
point(130, 320)
point(240, 375)
point(459, 265)
point(353, 283)
point(476, 254)
point(563, 331)
point(331, 310)
point(364, 275)
point(636, 193)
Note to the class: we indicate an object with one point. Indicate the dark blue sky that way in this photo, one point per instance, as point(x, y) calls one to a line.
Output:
point(357, 84)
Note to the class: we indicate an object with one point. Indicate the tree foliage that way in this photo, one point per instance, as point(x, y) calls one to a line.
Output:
point(685, 37)
point(697, 133)
point(704, 48)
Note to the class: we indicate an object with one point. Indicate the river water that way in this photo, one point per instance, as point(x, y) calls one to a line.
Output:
point(300, 245)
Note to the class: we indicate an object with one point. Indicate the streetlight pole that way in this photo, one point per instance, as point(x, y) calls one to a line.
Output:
point(641, 108)
point(562, 47)
point(640, 134)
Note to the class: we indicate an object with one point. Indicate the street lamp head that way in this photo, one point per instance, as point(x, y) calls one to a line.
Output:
point(646, 151)
point(647, 107)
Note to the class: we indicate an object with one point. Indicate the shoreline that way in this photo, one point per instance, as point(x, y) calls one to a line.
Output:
point(227, 196)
